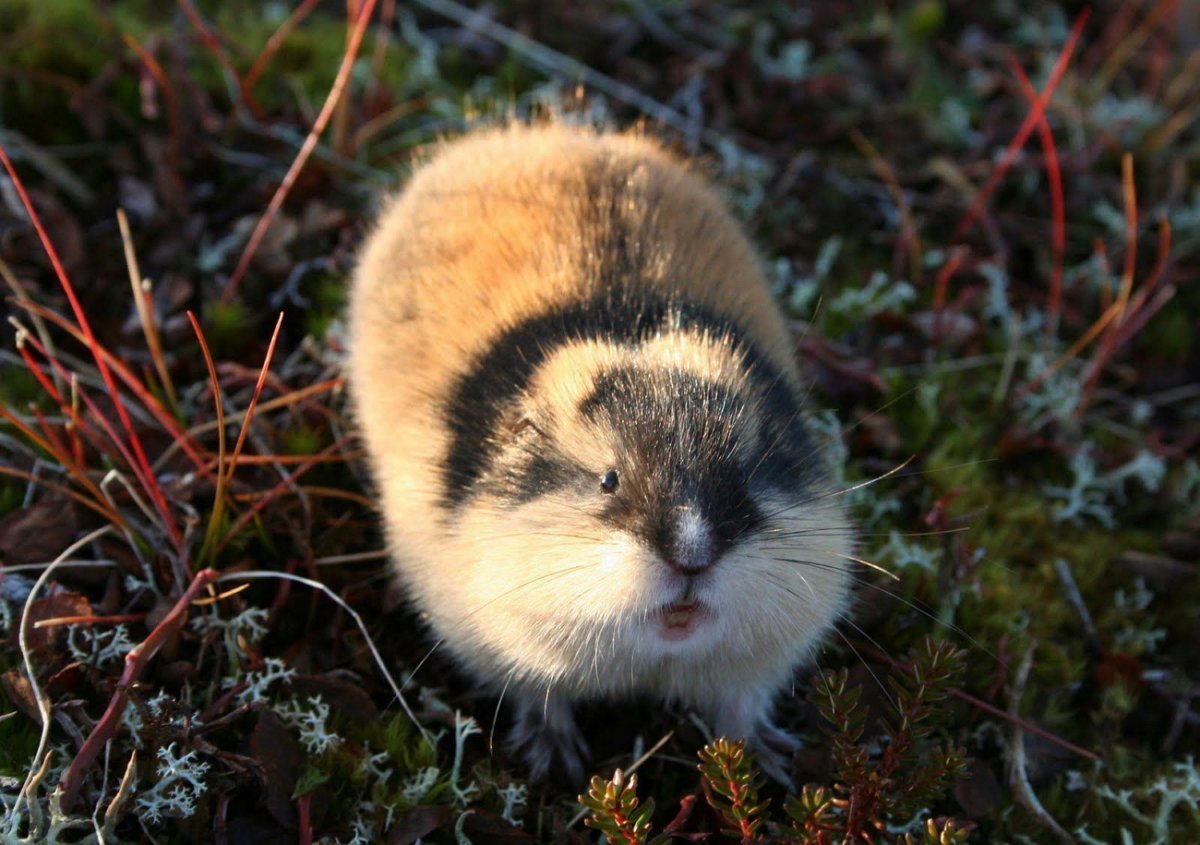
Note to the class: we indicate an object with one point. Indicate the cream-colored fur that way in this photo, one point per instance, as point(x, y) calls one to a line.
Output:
point(542, 598)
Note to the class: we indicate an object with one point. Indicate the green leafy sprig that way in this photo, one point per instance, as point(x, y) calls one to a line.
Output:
point(731, 787)
point(616, 811)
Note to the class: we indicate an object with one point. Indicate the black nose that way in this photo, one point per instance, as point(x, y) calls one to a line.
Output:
point(687, 543)
point(690, 562)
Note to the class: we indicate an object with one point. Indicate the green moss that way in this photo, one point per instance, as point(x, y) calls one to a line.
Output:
point(924, 19)
point(51, 49)
point(18, 741)
point(227, 327)
point(308, 60)
point(70, 36)
point(19, 389)
point(341, 778)
point(12, 494)
point(1171, 334)
point(303, 440)
point(327, 300)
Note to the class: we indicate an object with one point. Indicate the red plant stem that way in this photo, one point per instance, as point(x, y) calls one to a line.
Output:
point(73, 460)
point(1160, 51)
point(115, 619)
point(141, 466)
point(1159, 271)
point(97, 503)
point(276, 41)
point(908, 230)
point(1058, 230)
point(939, 292)
point(60, 449)
point(222, 702)
point(214, 46)
point(78, 423)
point(234, 375)
point(304, 811)
point(218, 508)
point(274, 493)
point(1129, 191)
point(991, 709)
point(387, 20)
point(739, 802)
point(262, 378)
point(1137, 320)
point(135, 663)
point(1125, 306)
point(31, 435)
point(174, 124)
point(1119, 24)
point(111, 516)
point(1031, 120)
point(135, 385)
point(1132, 40)
point(38, 373)
point(310, 143)
point(1137, 312)
point(258, 460)
point(103, 421)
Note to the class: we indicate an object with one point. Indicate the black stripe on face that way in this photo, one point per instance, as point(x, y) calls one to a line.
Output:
point(616, 207)
point(543, 473)
point(681, 446)
point(497, 378)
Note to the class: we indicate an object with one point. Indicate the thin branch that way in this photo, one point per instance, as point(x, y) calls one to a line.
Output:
point(43, 701)
point(314, 135)
point(135, 663)
point(260, 575)
point(1018, 774)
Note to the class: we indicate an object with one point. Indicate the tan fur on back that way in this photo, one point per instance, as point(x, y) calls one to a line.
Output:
point(503, 226)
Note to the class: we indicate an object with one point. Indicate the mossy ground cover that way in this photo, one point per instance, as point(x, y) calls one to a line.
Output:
point(992, 281)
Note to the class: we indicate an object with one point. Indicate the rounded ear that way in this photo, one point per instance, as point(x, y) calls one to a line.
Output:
point(518, 421)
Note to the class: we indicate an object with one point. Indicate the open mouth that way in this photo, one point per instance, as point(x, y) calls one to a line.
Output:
point(679, 619)
point(678, 615)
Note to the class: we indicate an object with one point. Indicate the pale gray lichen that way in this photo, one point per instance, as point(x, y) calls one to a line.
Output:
point(802, 291)
point(99, 648)
point(1129, 605)
point(902, 554)
point(249, 625)
point(1057, 394)
point(791, 62)
point(1147, 810)
point(1090, 492)
point(260, 681)
point(417, 786)
point(372, 765)
point(464, 727)
point(513, 795)
point(362, 828)
point(310, 719)
point(880, 293)
point(179, 782)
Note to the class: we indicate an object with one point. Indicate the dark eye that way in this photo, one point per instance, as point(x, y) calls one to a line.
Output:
point(609, 481)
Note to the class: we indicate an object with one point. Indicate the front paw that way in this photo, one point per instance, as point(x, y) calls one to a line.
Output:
point(546, 735)
point(774, 748)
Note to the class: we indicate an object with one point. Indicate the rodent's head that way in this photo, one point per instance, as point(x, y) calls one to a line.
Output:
point(655, 498)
